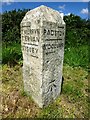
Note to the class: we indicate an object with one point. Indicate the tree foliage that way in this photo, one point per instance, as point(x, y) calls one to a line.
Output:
point(77, 30)
point(11, 25)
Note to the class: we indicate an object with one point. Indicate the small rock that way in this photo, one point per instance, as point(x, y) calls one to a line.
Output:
point(6, 108)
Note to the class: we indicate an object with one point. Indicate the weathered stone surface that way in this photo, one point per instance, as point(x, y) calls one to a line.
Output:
point(42, 41)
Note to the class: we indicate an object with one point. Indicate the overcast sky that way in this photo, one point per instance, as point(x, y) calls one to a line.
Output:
point(77, 8)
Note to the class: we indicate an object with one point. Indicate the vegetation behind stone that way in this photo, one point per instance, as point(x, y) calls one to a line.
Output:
point(76, 42)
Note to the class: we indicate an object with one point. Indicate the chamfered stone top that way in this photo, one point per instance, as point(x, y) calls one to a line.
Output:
point(43, 13)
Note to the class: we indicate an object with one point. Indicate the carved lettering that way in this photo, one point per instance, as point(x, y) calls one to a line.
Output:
point(30, 50)
point(51, 48)
point(48, 33)
point(52, 32)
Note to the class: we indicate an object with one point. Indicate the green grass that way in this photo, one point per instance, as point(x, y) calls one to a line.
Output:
point(52, 111)
point(73, 92)
point(77, 56)
point(11, 54)
point(73, 56)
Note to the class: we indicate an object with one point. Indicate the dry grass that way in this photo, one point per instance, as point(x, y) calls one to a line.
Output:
point(72, 103)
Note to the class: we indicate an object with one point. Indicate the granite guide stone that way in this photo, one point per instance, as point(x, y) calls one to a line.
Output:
point(42, 43)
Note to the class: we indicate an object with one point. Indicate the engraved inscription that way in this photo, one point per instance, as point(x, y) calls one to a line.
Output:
point(31, 35)
point(51, 48)
point(30, 49)
point(30, 38)
point(53, 32)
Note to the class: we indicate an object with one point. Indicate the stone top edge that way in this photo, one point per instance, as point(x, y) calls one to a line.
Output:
point(42, 6)
point(38, 8)
point(45, 13)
